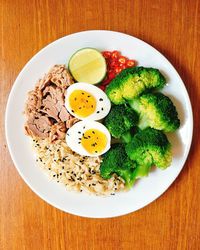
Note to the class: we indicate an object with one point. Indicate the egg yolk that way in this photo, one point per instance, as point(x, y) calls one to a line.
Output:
point(82, 103)
point(94, 141)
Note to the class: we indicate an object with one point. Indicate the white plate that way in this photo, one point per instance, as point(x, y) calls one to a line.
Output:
point(147, 189)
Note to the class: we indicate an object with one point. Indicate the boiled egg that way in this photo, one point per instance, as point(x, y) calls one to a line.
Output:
point(86, 101)
point(88, 138)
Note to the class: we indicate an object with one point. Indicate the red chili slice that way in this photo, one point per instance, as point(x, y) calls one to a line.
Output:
point(106, 54)
point(130, 63)
point(118, 70)
point(115, 54)
point(122, 59)
point(111, 74)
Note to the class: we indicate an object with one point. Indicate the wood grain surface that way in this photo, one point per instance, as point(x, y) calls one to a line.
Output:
point(173, 220)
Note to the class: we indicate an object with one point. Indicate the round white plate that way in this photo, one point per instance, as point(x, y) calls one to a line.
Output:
point(147, 189)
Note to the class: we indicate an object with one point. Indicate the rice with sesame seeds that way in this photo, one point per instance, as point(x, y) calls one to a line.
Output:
point(76, 172)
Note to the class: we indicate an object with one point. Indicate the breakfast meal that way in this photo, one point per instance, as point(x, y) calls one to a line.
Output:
point(99, 123)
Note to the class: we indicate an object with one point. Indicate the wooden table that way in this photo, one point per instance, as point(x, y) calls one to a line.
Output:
point(173, 220)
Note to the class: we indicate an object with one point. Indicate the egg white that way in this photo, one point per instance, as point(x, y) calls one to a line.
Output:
point(76, 131)
point(103, 103)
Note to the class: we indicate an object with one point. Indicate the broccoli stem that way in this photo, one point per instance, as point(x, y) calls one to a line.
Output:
point(126, 137)
point(129, 177)
point(143, 122)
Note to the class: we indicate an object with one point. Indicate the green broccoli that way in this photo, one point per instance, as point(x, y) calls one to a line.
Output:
point(156, 111)
point(116, 161)
point(131, 82)
point(120, 120)
point(150, 147)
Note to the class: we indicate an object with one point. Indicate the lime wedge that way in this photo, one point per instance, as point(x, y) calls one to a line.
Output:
point(87, 65)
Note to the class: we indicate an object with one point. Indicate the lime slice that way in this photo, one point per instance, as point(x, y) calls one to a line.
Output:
point(87, 65)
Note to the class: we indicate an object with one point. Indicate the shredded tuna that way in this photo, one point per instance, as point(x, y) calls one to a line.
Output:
point(57, 132)
point(53, 103)
point(45, 110)
point(71, 121)
point(57, 75)
point(38, 126)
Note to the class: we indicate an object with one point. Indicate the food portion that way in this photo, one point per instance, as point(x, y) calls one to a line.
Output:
point(115, 62)
point(156, 111)
point(88, 138)
point(87, 65)
point(75, 172)
point(95, 141)
point(120, 121)
point(132, 82)
point(85, 101)
point(46, 115)
point(117, 161)
point(150, 147)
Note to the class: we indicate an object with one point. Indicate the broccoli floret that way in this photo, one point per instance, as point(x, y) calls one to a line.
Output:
point(150, 147)
point(116, 161)
point(120, 120)
point(156, 111)
point(131, 82)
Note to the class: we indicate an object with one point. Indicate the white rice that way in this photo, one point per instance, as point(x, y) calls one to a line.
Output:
point(76, 172)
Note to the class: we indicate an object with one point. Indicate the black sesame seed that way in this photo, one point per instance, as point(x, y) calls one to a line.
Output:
point(75, 99)
point(79, 108)
point(79, 142)
point(96, 152)
point(72, 111)
point(98, 112)
point(60, 173)
point(102, 109)
point(82, 93)
point(54, 175)
point(79, 132)
point(84, 127)
point(100, 99)
point(88, 96)
point(93, 132)
point(49, 168)
point(86, 100)
point(93, 184)
point(92, 106)
point(63, 167)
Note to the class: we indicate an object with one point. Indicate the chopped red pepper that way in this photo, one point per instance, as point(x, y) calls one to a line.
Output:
point(130, 63)
point(115, 64)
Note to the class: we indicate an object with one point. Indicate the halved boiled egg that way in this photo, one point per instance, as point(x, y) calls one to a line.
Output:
point(86, 101)
point(88, 138)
